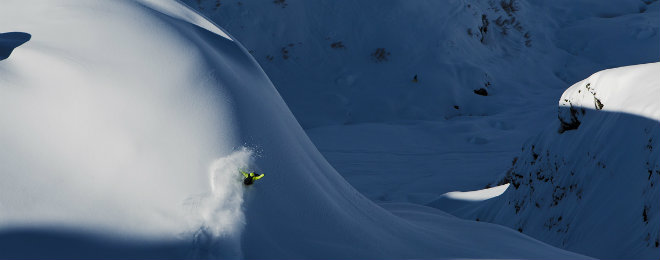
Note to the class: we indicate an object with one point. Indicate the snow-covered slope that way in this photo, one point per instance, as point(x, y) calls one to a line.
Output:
point(124, 124)
point(347, 62)
point(399, 140)
point(590, 183)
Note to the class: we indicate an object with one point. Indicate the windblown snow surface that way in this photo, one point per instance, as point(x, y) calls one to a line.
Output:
point(124, 125)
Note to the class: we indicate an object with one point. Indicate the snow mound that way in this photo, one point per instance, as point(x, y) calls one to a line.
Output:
point(128, 120)
point(593, 186)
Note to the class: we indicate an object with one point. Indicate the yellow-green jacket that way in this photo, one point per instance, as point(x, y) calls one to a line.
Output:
point(251, 177)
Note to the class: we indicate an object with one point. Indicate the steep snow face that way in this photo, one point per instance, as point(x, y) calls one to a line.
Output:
point(590, 183)
point(129, 120)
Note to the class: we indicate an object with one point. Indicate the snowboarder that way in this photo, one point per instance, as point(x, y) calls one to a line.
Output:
point(251, 177)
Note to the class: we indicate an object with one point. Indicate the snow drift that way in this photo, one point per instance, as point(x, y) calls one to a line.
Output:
point(127, 121)
point(590, 183)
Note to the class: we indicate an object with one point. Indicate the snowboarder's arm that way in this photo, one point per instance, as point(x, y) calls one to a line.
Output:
point(245, 174)
point(259, 177)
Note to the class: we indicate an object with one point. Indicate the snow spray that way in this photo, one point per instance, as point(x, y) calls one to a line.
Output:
point(221, 210)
